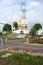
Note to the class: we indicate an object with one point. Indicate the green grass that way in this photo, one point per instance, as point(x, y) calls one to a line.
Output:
point(21, 59)
point(38, 41)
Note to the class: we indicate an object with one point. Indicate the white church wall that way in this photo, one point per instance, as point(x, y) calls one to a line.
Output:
point(40, 32)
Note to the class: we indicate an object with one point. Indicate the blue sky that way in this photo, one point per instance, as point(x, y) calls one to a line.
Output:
point(10, 11)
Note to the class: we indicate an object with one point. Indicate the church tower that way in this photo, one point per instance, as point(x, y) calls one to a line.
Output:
point(22, 23)
point(23, 12)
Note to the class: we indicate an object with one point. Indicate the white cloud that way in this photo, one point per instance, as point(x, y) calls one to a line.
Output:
point(32, 5)
point(6, 2)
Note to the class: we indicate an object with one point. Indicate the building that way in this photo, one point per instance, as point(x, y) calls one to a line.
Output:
point(23, 26)
point(22, 23)
point(40, 32)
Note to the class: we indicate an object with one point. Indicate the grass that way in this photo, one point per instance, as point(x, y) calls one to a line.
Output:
point(21, 59)
point(9, 37)
point(38, 41)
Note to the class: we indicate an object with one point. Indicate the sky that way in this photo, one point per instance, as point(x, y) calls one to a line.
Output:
point(11, 11)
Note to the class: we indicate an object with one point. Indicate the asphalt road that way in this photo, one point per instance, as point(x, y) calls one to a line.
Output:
point(21, 43)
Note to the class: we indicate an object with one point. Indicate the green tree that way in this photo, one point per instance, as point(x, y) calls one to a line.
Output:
point(7, 28)
point(37, 27)
point(15, 25)
point(32, 32)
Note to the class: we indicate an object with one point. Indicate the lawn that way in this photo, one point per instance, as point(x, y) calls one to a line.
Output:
point(20, 59)
point(38, 41)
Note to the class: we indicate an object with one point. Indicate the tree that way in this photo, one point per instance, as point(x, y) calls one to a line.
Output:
point(33, 32)
point(15, 25)
point(37, 27)
point(7, 28)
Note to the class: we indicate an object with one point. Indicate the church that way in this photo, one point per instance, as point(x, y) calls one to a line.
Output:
point(22, 23)
point(23, 26)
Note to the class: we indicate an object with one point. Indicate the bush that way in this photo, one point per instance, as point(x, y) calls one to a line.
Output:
point(0, 33)
point(21, 59)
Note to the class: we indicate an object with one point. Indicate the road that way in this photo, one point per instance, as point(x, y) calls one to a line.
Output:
point(21, 43)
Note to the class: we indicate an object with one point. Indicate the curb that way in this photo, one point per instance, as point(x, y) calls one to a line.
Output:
point(33, 44)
